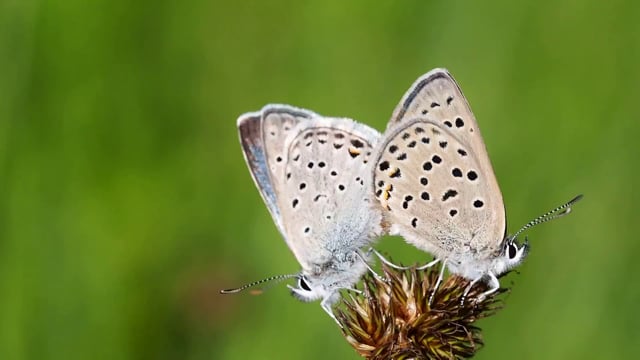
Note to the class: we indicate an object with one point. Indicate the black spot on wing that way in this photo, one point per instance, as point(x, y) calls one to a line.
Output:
point(449, 100)
point(451, 193)
point(357, 143)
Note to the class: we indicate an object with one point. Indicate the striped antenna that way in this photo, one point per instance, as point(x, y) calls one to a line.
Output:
point(560, 211)
point(277, 278)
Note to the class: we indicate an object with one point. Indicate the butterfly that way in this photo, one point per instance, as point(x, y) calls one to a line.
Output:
point(313, 173)
point(435, 182)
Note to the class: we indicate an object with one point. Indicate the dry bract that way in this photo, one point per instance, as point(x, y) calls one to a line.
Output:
point(394, 320)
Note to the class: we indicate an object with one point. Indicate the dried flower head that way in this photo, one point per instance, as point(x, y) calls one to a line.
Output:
point(394, 320)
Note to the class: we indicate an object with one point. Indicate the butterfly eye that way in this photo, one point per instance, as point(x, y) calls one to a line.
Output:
point(513, 250)
point(303, 284)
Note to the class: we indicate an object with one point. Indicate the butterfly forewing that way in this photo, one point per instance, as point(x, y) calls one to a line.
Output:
point(261, 154)
point(250, 129)
point(437, 96)
point(326, 196)
point(278, 123)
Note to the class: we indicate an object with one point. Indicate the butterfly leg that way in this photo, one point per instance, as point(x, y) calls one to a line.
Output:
point(362, 257)
point(326, 306)
point(494, 285)
point(398, 267)
point(430, 264)
point(359, 292)
point(466, 291)
point(440, 276)
point(387, 262)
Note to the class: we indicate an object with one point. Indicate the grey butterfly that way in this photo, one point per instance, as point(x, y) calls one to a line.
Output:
point(312, 174)
point(434, 179)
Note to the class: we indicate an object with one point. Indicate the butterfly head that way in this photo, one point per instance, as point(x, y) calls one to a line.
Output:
point(326, 282)
point(305, 290)
point(510, 256)
point(310, 289)
point(471, 266)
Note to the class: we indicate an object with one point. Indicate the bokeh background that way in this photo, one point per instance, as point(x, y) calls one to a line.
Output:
point(126, 205)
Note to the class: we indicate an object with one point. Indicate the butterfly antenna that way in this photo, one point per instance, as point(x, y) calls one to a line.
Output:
point(276, 278)
point(560, 211)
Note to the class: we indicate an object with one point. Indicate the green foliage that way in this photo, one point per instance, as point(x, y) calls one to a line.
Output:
point(125, 203)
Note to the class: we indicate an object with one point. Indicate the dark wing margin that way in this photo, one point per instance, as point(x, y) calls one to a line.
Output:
point(417, 87)
point(250, 131)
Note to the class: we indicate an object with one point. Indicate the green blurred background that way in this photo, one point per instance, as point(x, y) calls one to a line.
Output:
point(125, 203)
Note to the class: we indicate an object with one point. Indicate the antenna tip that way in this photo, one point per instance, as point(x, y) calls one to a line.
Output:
point(576, 199)
point(229, 291)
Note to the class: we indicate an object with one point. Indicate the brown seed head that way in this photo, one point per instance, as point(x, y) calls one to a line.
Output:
point(394, 320)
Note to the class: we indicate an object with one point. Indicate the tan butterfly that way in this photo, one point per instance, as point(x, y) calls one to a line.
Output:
point(313, 173)
point(435, 182)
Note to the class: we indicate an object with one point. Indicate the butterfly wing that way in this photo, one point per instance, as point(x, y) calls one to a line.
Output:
point(311, 172)
point(326, 195)
point(438, 96)
point(276, 121)
point(433, 173)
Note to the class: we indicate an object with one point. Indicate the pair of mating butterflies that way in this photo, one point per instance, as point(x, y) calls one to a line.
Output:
point(333, 186)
